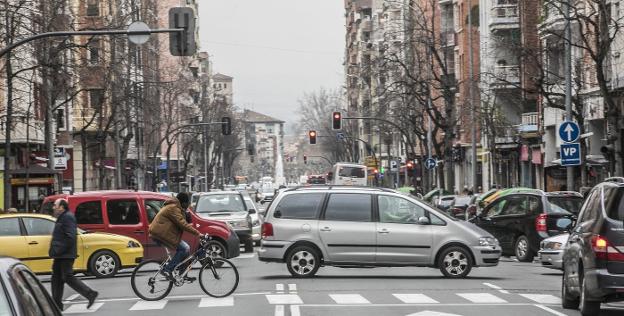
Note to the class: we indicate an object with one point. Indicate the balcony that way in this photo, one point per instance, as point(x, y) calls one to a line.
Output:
point(504, 17)
point(553, 20)
point(505, 135)
point(530, 124)
point(506, 77)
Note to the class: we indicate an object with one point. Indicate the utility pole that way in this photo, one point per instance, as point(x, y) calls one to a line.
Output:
point(471, 103)
point(568, 83)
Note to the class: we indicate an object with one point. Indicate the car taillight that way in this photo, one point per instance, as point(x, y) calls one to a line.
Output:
point(540, 223)
point(267, 230)
point(604, 250)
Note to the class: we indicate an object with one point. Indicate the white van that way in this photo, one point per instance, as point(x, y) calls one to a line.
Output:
point(349, 174)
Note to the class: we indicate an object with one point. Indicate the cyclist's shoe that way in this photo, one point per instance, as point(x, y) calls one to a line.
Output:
point(189, 279)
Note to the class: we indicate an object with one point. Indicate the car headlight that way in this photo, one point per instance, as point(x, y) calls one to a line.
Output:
point(553, 246)
point(488, 241)
point(133, 244)
point(240, 224)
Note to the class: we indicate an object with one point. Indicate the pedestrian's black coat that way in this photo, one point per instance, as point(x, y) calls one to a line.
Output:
point(63, 245)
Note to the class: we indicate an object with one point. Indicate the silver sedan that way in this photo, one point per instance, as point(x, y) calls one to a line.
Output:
point(551, 251)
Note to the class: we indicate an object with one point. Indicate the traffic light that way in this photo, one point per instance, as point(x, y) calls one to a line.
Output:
point(226, 125)
point(182, 43)
point(410, 165)
point(305, 159)
point(312, 135)
point(336, 120)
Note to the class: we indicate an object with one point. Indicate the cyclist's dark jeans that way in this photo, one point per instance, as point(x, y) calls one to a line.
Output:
point(182, 252)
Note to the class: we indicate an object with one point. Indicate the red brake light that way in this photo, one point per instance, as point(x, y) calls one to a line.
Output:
point(540, 223)
point(604, 250)
point(267, 230)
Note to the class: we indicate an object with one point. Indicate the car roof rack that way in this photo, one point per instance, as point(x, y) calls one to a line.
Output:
point(333, 187)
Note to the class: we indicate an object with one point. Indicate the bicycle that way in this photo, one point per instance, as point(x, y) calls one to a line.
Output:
point(150, 283)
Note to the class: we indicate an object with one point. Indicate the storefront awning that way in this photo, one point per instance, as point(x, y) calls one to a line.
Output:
point(34, 169)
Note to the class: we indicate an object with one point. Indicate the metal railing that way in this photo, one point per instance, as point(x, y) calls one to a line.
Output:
point(507, 74)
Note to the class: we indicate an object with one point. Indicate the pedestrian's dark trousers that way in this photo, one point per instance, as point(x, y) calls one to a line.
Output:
point(63, 272)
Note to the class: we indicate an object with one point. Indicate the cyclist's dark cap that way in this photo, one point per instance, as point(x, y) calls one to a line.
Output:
point(183, 198)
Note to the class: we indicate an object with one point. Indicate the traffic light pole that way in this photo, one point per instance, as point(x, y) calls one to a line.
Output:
point(328, 161)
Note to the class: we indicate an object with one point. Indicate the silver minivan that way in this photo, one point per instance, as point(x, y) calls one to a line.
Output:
point(307, 228)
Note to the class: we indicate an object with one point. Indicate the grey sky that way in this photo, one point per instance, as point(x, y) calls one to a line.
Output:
point(275, 49)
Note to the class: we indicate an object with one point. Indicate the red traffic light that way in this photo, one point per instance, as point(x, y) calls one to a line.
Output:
point(312, 136)
point(337, 120)
point(410, 164)
point(305, 159)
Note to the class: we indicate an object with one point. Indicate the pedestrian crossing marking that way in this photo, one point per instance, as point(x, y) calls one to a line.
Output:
point(216, 302)
point(284, 299)
point(279, 287)
point(415, 299)
point(542, 298)
point(82, 308)
point(349, 299)
point(72, 297)
point(292, 287)
point(148, 305)
point(482, 298)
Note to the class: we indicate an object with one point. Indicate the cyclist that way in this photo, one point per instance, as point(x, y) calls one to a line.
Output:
point(167, 227)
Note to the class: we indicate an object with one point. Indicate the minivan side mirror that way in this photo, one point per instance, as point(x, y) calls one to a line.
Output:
point(423, 220)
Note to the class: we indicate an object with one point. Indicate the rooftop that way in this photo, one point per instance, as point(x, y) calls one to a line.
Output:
point(255, 117)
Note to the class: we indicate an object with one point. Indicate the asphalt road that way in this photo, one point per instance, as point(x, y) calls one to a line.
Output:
point(512, 288)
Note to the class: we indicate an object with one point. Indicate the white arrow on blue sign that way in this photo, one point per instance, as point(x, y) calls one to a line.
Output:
point(431, 163)
point(570, 154)
point(569, 132)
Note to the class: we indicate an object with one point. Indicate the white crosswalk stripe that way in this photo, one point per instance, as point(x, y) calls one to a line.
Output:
point(148, 305)
point(482, 298)
point(216, 302)
point(82, 308)
point(284, 299)
point(349, 299)
point(542, 298)
point(415, 299)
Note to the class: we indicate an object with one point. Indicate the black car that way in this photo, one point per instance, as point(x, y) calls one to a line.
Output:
point(21, 293)
point(593, 260)
point(521, 220)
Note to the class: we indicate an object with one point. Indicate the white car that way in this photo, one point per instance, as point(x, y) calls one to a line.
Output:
point(256, 219)
point(551, 251)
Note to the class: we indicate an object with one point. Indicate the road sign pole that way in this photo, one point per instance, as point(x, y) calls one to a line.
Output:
point(568, 85)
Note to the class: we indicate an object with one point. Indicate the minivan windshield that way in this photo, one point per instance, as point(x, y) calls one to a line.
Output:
point(568, 204)
point(220, 203)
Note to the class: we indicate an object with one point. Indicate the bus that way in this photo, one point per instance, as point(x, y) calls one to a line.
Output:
point(349, 174)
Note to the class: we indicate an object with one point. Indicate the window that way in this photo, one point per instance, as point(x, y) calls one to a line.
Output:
point(38, 292)
point(93, 8)
point(94, 52)
point(496, 208)
point(352, 172)
point(60, 119)
point(152, 207)
point(221, 203)
point(398, 210)
point(122, 212)
point(436, 220)
point(349, 207)
point(25, 294)
point(5, 308)
point(10, 227)
point(592, 206)
point(565, 205)
point(614, 203)
point(516, 205)
point(38, 226)
point(96, 98)
point(89, 213)
point(300, 206)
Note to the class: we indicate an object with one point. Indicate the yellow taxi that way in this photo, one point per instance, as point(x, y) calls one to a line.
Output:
point(27, 237)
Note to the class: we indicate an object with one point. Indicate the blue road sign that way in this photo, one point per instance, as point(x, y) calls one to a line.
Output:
point(430, 163)
point(569, 132)
point(571, 154)
point(340, 136)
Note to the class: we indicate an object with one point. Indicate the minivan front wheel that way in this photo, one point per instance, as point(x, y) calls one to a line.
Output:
point(303, 262)
point(455, 262)
point(523, 250)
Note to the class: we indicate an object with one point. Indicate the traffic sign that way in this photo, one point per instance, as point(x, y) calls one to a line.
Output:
point(143, 33)
point(570, 154)
point(430, 163)
point(340, 136)
point(394, 166)
point(569, 132)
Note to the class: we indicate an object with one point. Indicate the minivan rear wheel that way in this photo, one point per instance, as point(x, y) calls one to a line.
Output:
point(303, 262)
point(587, 308)
point(455, 262)
point(523, 250)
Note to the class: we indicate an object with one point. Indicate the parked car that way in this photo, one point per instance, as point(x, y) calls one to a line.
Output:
point(593, 259)
point(21, 292)
point(459, 206)
point(522, 219)
point(551, 251)
point(445, 202)
point(228, 207)
point(256, 219)
point(129, 213)
point(307, 228)
point(430, 196)
point(101, 255)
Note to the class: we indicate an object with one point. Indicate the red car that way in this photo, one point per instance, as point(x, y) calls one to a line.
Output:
point(129, 213)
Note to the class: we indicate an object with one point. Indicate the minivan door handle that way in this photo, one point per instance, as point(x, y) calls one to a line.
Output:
point(383, 231)
point(325, 229)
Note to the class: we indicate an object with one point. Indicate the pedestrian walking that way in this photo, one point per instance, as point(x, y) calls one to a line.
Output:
point(63, 251)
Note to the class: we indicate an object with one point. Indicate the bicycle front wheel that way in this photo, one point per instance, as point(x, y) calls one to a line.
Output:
point(149, 283)
point(218, 278)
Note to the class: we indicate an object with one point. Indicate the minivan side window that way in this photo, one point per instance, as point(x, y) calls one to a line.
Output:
point(89, 213)
point(152, 207)
point(614, 202)
point(300, 206)
point(122, 212)
point(349, 207)
point(393, 209)
point(516, 205)
point(592, 206)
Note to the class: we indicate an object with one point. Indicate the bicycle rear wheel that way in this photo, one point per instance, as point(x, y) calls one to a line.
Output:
point(218, 278)
point(149, 283)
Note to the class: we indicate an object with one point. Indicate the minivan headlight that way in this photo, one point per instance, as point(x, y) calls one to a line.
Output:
point(133, 244)
point(488, 241)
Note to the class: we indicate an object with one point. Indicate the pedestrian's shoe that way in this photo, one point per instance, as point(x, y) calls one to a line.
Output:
point(91, 298)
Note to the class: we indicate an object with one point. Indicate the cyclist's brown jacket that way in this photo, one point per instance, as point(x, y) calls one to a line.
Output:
point(170, 223)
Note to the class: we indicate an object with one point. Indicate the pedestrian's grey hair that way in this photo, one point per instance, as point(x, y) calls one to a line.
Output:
point(63, 203)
